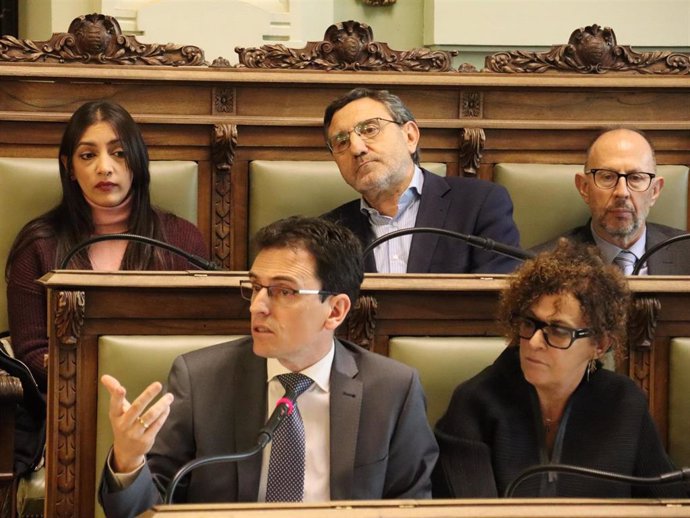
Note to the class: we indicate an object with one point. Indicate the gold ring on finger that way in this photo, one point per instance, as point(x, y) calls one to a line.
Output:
point(143, 423)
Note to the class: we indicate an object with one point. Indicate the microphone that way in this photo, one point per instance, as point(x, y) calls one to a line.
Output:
point(484, 243)
point(643, 259)
point(284, 407)
point(665, 478)
point(197, 261)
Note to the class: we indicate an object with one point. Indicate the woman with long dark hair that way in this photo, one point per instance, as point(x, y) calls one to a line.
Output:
point(104, 171)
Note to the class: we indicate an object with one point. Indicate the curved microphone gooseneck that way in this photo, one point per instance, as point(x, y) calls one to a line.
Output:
point(200, 262)
point(284, 407)
point(643, 259)
point(665, 478)
point(484, 243)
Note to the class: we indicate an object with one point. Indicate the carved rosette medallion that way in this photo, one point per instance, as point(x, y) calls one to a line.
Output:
point(224, 100)
point(472, 142)
point(69, 319)
point(590, 50)
point(346, 45)
point(97, 38)
point(224, 143)
point(471, 104)
point(641, 330)
point(361, 322)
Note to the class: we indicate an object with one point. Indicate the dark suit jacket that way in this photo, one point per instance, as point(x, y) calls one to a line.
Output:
point(381, 443)
point(465, 205)
point(671, 260)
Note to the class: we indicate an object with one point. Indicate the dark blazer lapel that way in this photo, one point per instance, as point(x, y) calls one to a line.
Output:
point(661, 262)
point(352, 217)
point(250, 386)
point(346, 403)
point(432, 213)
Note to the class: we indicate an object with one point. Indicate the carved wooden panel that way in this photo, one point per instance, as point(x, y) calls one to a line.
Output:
point(472, 142)
point(591, 49)
point(97, 38)
point(644, 315)
point(223, 145)
point(69, 319)
point(346, 45)
point(360, 325)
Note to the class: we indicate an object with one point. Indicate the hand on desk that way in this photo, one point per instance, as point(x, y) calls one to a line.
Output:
point(134, 426)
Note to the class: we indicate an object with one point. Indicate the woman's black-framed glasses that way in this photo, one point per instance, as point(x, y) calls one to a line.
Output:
point(559, 337)
point(607, 179)
point(366, 130)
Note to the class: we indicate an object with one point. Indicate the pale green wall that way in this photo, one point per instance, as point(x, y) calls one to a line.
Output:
point(401, 25)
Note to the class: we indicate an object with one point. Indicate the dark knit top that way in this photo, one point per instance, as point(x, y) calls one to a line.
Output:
point(493, 430)
point(26, 299)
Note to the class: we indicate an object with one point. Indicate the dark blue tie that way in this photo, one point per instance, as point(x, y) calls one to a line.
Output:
point(286, 466)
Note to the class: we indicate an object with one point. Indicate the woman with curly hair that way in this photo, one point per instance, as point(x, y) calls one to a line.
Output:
point(546, 399)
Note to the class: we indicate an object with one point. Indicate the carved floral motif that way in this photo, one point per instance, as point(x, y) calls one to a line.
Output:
point(379, 3)
point(347, 45)
point(361, 322)
point(97, 38)
point(644, 314)
point(224, 100)
point(591, 49)
point(470, 104)
point(69, 319)
point(223, 152)
point(471, 148)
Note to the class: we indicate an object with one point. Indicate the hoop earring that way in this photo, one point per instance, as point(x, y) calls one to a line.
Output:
point(591, 367)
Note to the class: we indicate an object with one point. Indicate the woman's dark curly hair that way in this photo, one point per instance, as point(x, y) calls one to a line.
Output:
point(600, 289)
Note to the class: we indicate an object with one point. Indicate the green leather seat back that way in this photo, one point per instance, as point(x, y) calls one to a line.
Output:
point(31, 186)
point(444, 362)
point(278, 189)
point(678, 407)
point(547, 204)
point(136, 361)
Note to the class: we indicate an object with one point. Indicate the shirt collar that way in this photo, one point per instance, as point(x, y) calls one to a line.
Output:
point(413, 191)
point(320, 372)
point(609, 251)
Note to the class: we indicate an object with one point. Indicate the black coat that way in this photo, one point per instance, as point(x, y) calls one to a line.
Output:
point(492, 431)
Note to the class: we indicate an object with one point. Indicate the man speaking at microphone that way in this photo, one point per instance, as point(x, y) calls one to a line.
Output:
point(374, 139)
point(358, 429)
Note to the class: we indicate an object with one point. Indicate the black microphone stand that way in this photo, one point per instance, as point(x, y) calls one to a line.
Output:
point(197, 261)
point(643, 259)
point(204, 461)
point(664, 478)
point(484, 243)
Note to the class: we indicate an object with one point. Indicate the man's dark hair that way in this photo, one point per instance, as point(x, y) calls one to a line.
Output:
point(336, 250)
point(396, 108)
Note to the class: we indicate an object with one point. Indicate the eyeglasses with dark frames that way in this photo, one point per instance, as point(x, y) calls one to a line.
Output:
point(607, 179)
point(280, 294)
point(366, 130)
point(558, 337)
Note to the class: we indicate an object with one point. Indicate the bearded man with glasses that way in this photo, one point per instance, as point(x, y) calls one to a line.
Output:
point(620, 185)
point(374, 139)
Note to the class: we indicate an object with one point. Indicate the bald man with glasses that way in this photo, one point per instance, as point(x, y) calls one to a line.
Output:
point(374, 140)
point(620, 185)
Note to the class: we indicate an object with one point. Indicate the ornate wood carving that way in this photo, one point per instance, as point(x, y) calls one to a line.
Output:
point(346, 46)
point(379, 3)
point(224, 100)
point(641, 330)
point(471, 104)
point(472, 142)
point(224, 143)
point(591, 49)
point(361, 322)
point(69, 319)
point(97, 38)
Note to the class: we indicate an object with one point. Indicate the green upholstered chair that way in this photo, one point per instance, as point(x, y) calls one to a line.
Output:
point(547, 204)
point(136, 361)
point(278, 189)
point(678, 407)
point(444, 362)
